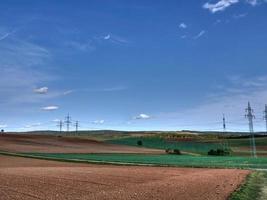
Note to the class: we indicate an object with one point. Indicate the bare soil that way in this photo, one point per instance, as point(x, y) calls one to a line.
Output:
point(53, 144)
point(27, 179)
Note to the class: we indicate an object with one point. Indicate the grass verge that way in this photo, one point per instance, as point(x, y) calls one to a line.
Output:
point(253, 189)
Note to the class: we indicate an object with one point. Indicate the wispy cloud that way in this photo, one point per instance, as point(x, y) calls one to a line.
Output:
point(107, 37)
point(230, 99)
point(42, 90)
point(200, 34)
point(142, 116)
point(98, 122)
point(256, 2)
point(239, 16)
point(115, 39)
point(104, 89)
point(220, 5)
point(32, 125)
point(183, 26)
point(50, 108)
point(3, 125)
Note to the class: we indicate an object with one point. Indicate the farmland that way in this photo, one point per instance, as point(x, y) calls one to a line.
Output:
point(88, 160)
point(28, 179)
point(195, 144)
point(162, 160)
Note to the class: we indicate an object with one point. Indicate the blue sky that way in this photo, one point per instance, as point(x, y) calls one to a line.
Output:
point(132, 65)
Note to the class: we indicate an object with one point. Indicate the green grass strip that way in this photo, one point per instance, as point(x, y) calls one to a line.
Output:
point(253, 187)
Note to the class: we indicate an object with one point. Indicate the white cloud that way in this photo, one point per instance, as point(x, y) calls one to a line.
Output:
point(142, 116)
point(50, 108)
point(107, 37)
point(56, 120)
point(67, 92)
point(99, 121)
point(231, 100)
point(116, 39)
point(256, 2)
point(183, 26)
point(201, 33)
point(3, 126)
point(4, 36)
point(42, 90)
point(33, 125)
point(238, 16)
point(219, 6)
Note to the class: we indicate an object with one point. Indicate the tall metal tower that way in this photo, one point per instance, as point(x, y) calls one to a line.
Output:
point(249, 115)
point(76, 126)
point(224, 124)
point(60, 125)
point(225, 143)
point(265, 116)
point(68, 122)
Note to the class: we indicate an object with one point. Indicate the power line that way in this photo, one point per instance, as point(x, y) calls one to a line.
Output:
point(249, 115)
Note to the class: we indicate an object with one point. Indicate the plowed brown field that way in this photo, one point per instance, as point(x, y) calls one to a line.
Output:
point(27, 179)
point(53, 144)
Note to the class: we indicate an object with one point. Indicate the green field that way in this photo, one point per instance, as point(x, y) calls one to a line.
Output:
point(195, 144)
point(156, 142)
point(163, 160)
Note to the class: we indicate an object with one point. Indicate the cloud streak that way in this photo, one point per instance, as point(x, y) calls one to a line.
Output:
point(200, 34)
point(142, 116)
point(220, 5)
point(42, 90)
point(50, 108)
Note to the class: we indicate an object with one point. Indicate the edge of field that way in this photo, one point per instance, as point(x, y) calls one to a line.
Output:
point(254, 187)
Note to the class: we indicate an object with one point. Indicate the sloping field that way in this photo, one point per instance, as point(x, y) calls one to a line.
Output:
point(160, 160)
point(54, 144)
point(27, 179)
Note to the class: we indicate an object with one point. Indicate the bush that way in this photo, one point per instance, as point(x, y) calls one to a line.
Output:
point(168, 151)
point(177, 151)
point(218, 152)
point(139, 143)
point(173, 151)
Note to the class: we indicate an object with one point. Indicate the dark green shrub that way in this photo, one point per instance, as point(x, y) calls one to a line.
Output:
point(177, 152)
point(173, 151)
point(168, 151)
point(139, 143)
point(218, 152)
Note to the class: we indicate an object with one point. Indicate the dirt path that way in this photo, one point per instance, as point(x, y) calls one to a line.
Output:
point(26, 179)
point(53, 144)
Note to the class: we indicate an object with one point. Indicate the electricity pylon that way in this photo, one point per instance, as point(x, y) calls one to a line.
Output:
point(76, 126)
point(265, 116)
point(68, 122)
point(249, 115)
point(60, 125)
point(224, 132)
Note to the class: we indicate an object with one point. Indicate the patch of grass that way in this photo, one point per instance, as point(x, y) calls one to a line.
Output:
point(253, 188)
point(164, 160)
